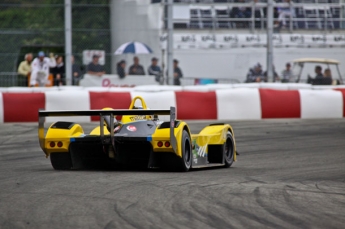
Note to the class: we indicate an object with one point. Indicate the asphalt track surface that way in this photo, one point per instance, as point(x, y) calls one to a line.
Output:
point(290, 174)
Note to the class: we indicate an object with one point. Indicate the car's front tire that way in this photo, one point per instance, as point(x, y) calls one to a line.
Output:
point(228, 150)
point(61, 161)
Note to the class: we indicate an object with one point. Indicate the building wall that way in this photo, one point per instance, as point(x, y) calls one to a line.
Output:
point(234, 63)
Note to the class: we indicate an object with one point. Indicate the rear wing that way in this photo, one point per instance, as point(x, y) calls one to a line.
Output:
point(102, 113)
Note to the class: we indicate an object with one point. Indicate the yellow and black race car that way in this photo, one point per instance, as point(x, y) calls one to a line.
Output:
point(139, 140)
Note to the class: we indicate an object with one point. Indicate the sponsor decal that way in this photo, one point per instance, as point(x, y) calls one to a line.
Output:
point(195, 159)
point(230, 39)
point(137, 117)
point(188, 38)
point(117, 128)
point(277, 38)
point(253, 38)
point(107, 83)
point(190, 41)
point(208, 38)
point(297, 38)
point(339, 38)
point(318, 38)
point(131, 128)
point(202, 151)
point(199, 151)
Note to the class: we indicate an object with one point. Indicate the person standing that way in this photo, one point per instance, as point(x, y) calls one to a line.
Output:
point(155, 70)
point(24, 69)
point(59, 72)
point(177, 73)
point(76, 72)
point(40, 69)
point(287, 74)
point(121, 66)
point(94, 68)
point(136, 68)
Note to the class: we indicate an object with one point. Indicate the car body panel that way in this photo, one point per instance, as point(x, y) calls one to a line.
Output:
point(144, 139)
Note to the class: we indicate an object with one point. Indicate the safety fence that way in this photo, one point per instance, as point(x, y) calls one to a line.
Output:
point(31, 26)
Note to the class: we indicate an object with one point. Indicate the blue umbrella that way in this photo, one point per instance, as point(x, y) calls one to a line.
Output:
point(134, 48)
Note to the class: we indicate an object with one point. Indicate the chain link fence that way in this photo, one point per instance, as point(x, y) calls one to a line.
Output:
point(30, 26)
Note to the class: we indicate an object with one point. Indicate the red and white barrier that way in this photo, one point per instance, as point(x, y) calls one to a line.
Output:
point(1, 109)
point(71, 100)
point(222, 104)
point(321, 104)
point(240, 103)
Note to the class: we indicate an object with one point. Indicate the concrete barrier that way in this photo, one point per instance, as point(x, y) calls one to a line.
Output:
point(321, 104)
point(222, 104)
point(238, 104)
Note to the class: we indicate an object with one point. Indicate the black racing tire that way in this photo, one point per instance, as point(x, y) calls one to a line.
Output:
point(61, 161)
point(187, 155)
point(228, 150)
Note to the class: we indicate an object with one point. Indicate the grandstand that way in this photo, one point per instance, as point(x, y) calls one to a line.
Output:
point(221, 14)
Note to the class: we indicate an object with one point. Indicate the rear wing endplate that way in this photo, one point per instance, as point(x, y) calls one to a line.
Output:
point(102, 113)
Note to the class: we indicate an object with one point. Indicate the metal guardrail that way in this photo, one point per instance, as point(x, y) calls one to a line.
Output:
point(326, 16)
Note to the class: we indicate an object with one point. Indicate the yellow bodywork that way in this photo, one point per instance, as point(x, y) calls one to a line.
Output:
point(61, 135)
point(213, 135)
point(164, 136)
point(133, 118)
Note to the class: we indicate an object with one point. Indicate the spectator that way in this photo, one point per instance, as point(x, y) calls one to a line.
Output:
point(121, 66)
point(136, 68)
point(327, 77)
point(285, 11)
point(177, 73)
point(40, 69)
point(76, 72)
point(275, 75)
point(155, 70)
point(94, 68)
point(24, 69)
point(241, 13)
point(256, 74)
point(59, 72)
point(259, 14)
point(318, 80)
point(276, 22)
point(287, 74)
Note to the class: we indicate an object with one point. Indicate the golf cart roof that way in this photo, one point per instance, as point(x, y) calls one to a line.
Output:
point(316, 60)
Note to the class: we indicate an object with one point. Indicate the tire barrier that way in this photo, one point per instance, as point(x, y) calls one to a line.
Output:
point(221, 104)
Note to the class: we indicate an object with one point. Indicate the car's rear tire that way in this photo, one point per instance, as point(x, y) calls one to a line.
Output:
point(228, 150)
point(186, 160)
point(61, 161)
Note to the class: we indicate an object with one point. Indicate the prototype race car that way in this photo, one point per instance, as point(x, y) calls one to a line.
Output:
point(139, 140)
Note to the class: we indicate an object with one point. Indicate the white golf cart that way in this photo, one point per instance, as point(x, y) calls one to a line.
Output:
point(309, 64)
